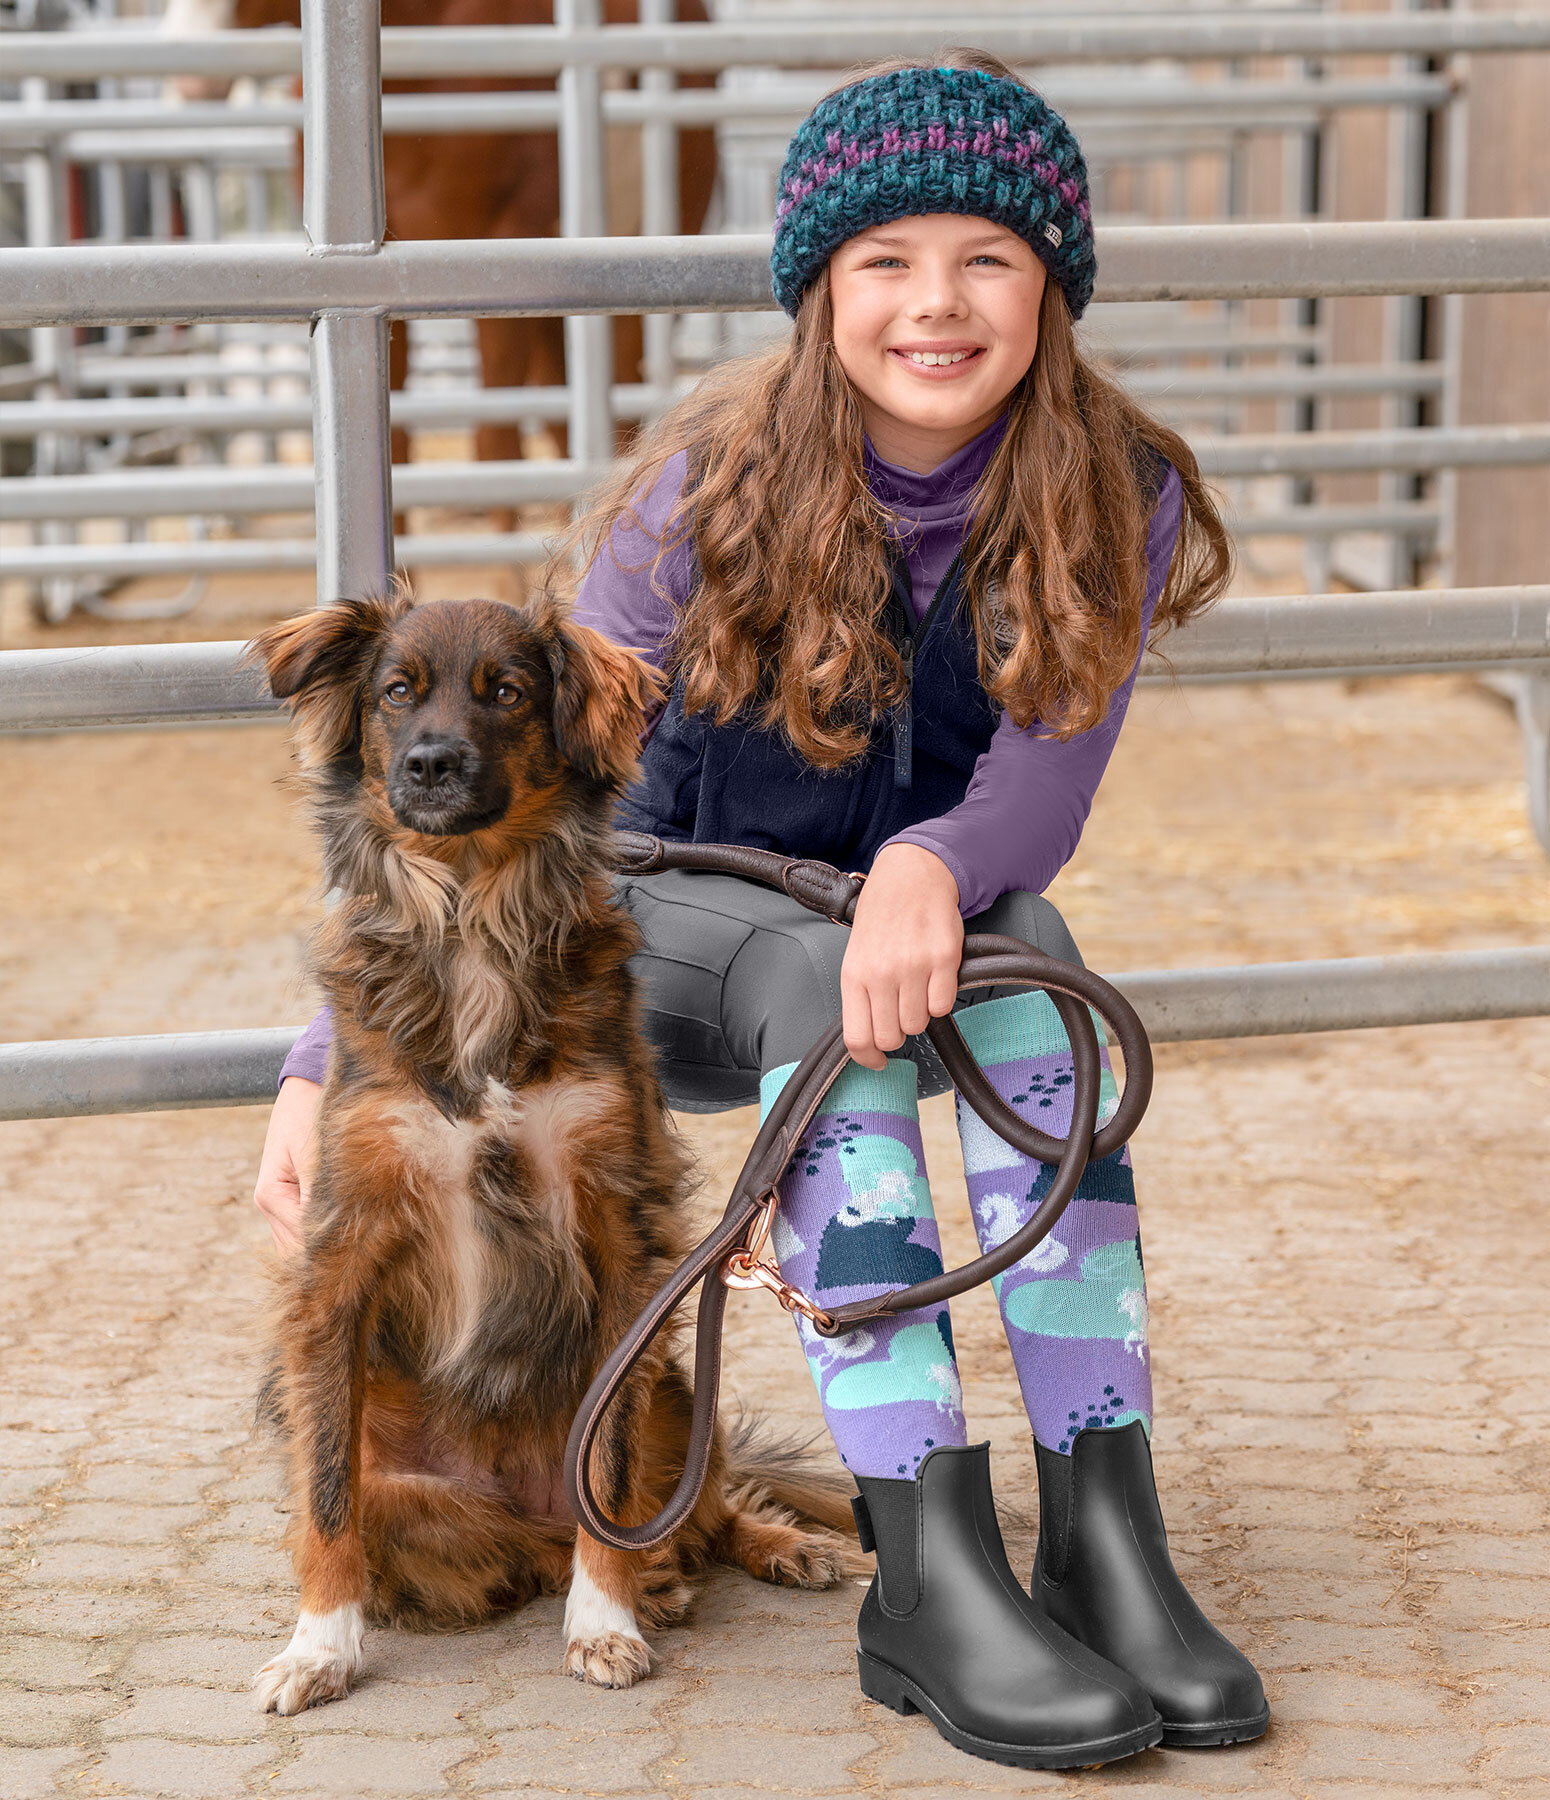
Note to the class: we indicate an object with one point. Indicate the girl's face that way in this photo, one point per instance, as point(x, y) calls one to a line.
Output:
point(936, 320)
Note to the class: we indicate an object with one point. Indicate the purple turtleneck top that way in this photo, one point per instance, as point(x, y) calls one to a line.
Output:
point(1021, 817)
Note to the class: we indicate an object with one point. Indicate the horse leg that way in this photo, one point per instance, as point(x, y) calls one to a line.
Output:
point(398, 374)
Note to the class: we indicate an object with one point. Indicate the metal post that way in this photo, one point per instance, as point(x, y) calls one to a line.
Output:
point(343, 213)
point(659, 210)
point(583, 213)
point(1402, 314)
point(52, 346)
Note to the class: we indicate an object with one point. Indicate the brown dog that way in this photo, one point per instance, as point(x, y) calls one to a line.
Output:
point(499, 1187)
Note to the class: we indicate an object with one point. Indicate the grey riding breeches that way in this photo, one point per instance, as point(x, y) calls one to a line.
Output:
point(738, 979)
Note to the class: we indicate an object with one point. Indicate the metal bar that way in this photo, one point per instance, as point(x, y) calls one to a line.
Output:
point(202, 123)
point(538, 50)
point(1346, 452)
point(234, 556)
point(351, 454)
point(165, 492)
point(459, 278)
point(235, 149)
point(76, 1077)
point(583, 214)
point(1349, 994)
point(162, 491)
point(660, 180)
point(450, 409)
point(343, 206)
point(128, 684)
point(344, 215)
point(1416, 518)
point(57, 689)
point(1269, 384)
point(1302, 633)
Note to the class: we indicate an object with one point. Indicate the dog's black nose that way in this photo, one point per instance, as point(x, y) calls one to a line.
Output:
point(433, 761)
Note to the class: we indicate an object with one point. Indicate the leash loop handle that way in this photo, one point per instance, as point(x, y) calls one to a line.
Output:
point(731, 1255)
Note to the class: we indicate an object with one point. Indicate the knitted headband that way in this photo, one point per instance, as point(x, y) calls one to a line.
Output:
point(933, 141)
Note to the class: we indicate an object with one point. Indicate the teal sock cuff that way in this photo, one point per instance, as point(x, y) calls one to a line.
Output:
point(888, 1090)
point(1015, 1026)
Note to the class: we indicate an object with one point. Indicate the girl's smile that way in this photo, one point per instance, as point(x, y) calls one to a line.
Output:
point(935, 322)
point(938, 361)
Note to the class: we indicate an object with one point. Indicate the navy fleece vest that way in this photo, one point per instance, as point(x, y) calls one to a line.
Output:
point(740, 784)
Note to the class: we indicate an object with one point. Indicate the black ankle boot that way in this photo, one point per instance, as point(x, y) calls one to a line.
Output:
point(946, 1630)
point(1103, 1573)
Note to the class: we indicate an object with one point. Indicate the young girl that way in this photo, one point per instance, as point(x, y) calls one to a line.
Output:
point(900, 572)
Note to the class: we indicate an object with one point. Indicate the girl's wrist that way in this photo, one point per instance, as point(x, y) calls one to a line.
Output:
point(923, 864)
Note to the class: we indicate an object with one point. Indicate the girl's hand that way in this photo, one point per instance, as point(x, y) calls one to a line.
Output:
point(290, 1155)
point(901, 964)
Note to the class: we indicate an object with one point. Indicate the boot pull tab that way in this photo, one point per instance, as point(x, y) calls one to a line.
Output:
point(863, 1517)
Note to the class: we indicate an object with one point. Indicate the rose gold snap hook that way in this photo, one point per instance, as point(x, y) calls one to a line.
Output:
point(745, 1268)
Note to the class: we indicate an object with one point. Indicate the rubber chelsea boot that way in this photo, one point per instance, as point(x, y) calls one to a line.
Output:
point(946, 1629)
point(1103, 1573)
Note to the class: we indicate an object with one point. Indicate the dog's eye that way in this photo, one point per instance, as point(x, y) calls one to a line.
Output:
point(507, 694)
point(396, 693)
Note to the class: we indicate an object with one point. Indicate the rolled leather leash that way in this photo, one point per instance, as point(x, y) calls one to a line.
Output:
point(988, 961)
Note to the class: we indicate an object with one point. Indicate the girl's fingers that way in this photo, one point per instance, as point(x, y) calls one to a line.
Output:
point(856, 1018)
point(887, 1033)
point(942, 989)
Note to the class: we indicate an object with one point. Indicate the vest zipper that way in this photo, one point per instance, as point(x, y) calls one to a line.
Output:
point(904, 712)
point(903, 722)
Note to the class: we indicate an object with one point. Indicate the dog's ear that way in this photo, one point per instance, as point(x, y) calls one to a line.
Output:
point(318, 661)
point(602, 697)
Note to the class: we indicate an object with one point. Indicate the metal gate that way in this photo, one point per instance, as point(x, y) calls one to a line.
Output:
point(345, 284)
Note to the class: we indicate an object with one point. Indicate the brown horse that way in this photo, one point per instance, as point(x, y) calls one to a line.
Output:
point(490, 184)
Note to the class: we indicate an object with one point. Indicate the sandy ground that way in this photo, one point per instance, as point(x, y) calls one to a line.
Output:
point(1346, 1238)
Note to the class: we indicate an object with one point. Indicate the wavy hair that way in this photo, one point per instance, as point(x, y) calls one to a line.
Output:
point(785, 623)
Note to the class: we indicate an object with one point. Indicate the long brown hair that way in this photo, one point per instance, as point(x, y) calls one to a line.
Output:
point(793, 549)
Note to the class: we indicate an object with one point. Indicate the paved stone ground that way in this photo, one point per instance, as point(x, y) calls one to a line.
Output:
point(1346, 1239)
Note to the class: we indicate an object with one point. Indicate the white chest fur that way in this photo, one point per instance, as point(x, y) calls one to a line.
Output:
point(550, 1124)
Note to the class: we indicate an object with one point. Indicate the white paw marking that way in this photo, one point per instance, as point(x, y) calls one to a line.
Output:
point(603, 1643)
point(320, 1663)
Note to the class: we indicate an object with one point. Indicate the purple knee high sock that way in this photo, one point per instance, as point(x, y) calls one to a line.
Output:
point(855, 1220)
point(1075, 1307)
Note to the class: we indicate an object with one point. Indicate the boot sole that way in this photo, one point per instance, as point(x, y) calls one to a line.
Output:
point(1224, 1731)
point(899, 1694)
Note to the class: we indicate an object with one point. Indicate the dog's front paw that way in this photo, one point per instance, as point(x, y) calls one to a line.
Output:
point(320, 1663)
point(814, 1561)
point(616, 1660)
point(603, 1643)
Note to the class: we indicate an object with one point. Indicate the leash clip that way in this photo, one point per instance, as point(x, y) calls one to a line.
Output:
point(746, 1268)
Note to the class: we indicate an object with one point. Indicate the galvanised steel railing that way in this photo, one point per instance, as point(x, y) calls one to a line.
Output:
point(346, 283)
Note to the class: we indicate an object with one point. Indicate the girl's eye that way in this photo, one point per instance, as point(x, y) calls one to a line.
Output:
point(989, 257)
point(507, 694)
point(396, 693)
point(886, 262)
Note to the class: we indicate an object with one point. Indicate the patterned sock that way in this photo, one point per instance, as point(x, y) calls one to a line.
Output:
point(855, 1220)
point(1075, 1306)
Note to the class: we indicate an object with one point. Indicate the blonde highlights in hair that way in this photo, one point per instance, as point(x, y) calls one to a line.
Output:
point(793, 550)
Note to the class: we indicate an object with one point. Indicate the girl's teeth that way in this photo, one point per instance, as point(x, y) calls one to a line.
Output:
point(932, 358)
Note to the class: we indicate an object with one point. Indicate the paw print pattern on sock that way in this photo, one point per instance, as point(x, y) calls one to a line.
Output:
point(1107, 1410)
point(1044, 1093)
point(833, 1131)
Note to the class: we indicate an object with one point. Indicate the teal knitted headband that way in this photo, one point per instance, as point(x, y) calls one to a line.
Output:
point(933, 141)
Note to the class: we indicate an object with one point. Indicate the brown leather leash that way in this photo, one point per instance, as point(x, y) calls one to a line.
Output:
point(734, 1251)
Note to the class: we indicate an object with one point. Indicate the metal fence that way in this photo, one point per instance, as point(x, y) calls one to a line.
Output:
point(1129, 114)
point(343, 283)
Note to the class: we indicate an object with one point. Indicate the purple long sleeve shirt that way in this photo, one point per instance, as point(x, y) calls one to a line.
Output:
point(1027, 801)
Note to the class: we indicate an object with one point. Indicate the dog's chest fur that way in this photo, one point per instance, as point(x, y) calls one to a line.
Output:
point(496, 1297)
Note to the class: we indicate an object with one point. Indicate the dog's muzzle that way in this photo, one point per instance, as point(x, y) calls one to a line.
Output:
point(437, 786)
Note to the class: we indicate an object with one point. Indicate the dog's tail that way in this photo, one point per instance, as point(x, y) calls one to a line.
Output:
point(790, 1472)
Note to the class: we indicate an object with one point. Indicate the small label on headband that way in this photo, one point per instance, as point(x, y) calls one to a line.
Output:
point(1055, 235)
